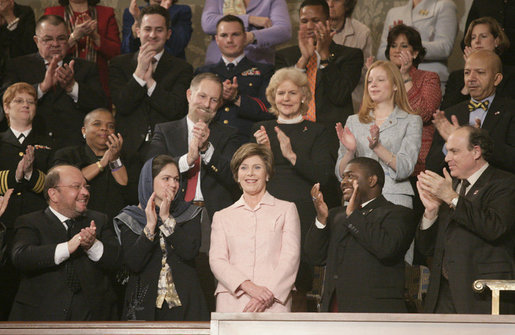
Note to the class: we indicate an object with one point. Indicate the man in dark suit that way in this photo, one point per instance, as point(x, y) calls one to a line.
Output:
point(64, 253)
point(361, 245)
point(244, 81)
point(149, 86)
point(67, 88)
point(467, 226)
point(483, 73)
point(204, 149)
point(336, 68)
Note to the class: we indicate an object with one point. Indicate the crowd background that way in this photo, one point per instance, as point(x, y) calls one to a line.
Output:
point(370, 12)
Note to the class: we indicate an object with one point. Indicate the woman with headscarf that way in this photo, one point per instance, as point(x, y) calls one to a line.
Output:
point(160, 239)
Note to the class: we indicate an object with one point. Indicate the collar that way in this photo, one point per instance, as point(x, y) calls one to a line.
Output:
point(297, 119)
point(489, 99)
point(61, 217)
point(367, 202)
point(159, 55)
point(235, 61)
point(17, 133)
point(475, 176)
point(190, 124)
point(347, 29)
point(267, 199)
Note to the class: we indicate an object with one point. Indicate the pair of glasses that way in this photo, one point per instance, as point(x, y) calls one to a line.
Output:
point(61, 39)
point(76, 187)
point(20, 101)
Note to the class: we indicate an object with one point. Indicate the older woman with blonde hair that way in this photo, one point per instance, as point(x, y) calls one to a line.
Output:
point(255, 243)
point(385, 129)
point(301, 153)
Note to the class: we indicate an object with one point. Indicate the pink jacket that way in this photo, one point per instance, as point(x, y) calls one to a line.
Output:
point(261, 245)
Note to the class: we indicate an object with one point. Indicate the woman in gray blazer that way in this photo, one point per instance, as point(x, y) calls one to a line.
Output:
point(385, 129)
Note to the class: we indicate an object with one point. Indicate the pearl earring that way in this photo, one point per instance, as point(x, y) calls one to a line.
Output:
point(83, 135)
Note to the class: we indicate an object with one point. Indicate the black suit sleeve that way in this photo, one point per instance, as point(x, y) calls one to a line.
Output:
point(386, 235)
point(185, 239)
point(219, 165)
point(316, 244)
point(111, 256)
point(91, 94)
point(158, 144)
point(453, 89)
point(137, 249)
point(126, 92)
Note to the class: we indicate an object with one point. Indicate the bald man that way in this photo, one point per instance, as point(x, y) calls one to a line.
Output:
point(482, 75)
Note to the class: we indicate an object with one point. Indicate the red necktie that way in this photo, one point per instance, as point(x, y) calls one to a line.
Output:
point(191, 189)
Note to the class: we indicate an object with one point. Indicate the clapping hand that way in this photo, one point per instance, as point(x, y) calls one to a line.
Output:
point(444, 127)
point(262, 137)
point(437, 186)
point(320, 205)
point(88, 236)
point(285, 145)
point(354, 201)
point(346, 137)
point(4, 200)
point(373, 139)
point(65, 76)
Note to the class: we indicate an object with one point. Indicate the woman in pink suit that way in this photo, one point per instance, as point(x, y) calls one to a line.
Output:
point(94, 33)
point(255, 243)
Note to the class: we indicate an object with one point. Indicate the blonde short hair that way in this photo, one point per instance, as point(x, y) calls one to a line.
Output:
point(495, 29)
point(400, 97)
point(252, 149)
point(297, 77)
point(15, 89)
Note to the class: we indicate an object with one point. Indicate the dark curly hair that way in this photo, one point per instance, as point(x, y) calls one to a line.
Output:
point(90, 2)
point(413, 37)
point(480, 137)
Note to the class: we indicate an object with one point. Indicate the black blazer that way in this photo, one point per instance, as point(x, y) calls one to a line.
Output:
point(334, 84)
point(253, 79)
point(217, 184)
point(27, 196)
point(500, 124)
point(43, 293)
point(364, 256)
point(135, 110)
point(478, 241)
point(57, 114)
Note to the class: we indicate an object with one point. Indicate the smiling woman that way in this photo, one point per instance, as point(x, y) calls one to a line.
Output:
point(255, 243)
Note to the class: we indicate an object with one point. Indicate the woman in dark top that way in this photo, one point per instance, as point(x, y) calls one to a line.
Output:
point(483, 33)
point(160, 239)
point(301, 152)
point(100, 163)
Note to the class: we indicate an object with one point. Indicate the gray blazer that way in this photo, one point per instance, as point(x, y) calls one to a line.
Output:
point(401, 134)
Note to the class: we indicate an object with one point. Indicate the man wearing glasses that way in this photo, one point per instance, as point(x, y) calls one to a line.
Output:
point(64, 254)
point(68, 88)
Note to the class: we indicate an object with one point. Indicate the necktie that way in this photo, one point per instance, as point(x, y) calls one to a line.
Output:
point(475, 105)
point(463, 189)
point(311, 72)
point(191, 189)
point(21, 138)
point(154, 64)
point(230, 67)
point(72, 280)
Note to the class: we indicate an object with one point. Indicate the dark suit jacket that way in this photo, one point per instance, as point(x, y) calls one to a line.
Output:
point(27, 196)
point(135, 110)
point(334, 84)
point(500, 124)
point(57, 114)
point(252, 80)
point(364, 256)
point(43, 293)
point(217, 184)
point(478, 241)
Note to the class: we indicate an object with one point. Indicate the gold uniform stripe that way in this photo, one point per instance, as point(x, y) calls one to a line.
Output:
point(40, 183)
point(3, 181)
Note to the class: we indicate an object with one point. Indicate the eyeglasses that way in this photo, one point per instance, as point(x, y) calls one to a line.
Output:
point(76, 187)
point(20, 101)
point(61, 39)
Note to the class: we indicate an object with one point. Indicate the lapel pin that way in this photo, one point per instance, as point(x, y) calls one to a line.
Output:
point(476, 192)
point(305, 129)
point(497, 113)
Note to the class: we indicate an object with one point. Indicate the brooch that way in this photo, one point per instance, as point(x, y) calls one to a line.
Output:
point(423, 12)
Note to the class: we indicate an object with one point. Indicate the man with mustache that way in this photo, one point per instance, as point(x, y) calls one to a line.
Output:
point(204, 148)
point(64, 254)
point(68, 88)
point(362, 245)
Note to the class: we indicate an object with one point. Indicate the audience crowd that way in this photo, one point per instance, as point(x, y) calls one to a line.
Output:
point(135, 187)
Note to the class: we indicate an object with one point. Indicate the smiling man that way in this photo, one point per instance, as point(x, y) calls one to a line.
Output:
point(244, 81)
point(148, 86)
point(67, 87)
point(65, 253)
point(204, 148)
point(485, 109)
point(362, 245)
point(467, 226)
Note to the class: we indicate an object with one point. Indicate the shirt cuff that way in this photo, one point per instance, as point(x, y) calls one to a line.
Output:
point(206, 156)
point(426, 223)
point(61, 253)
point(318, 224)
point(40, 92)
point(13, 25)
point(168, 227)
point(151, 89)
point(183, 164)
point(28, 175)
point(140, 81)
point(96, 251)
point(74, 94)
